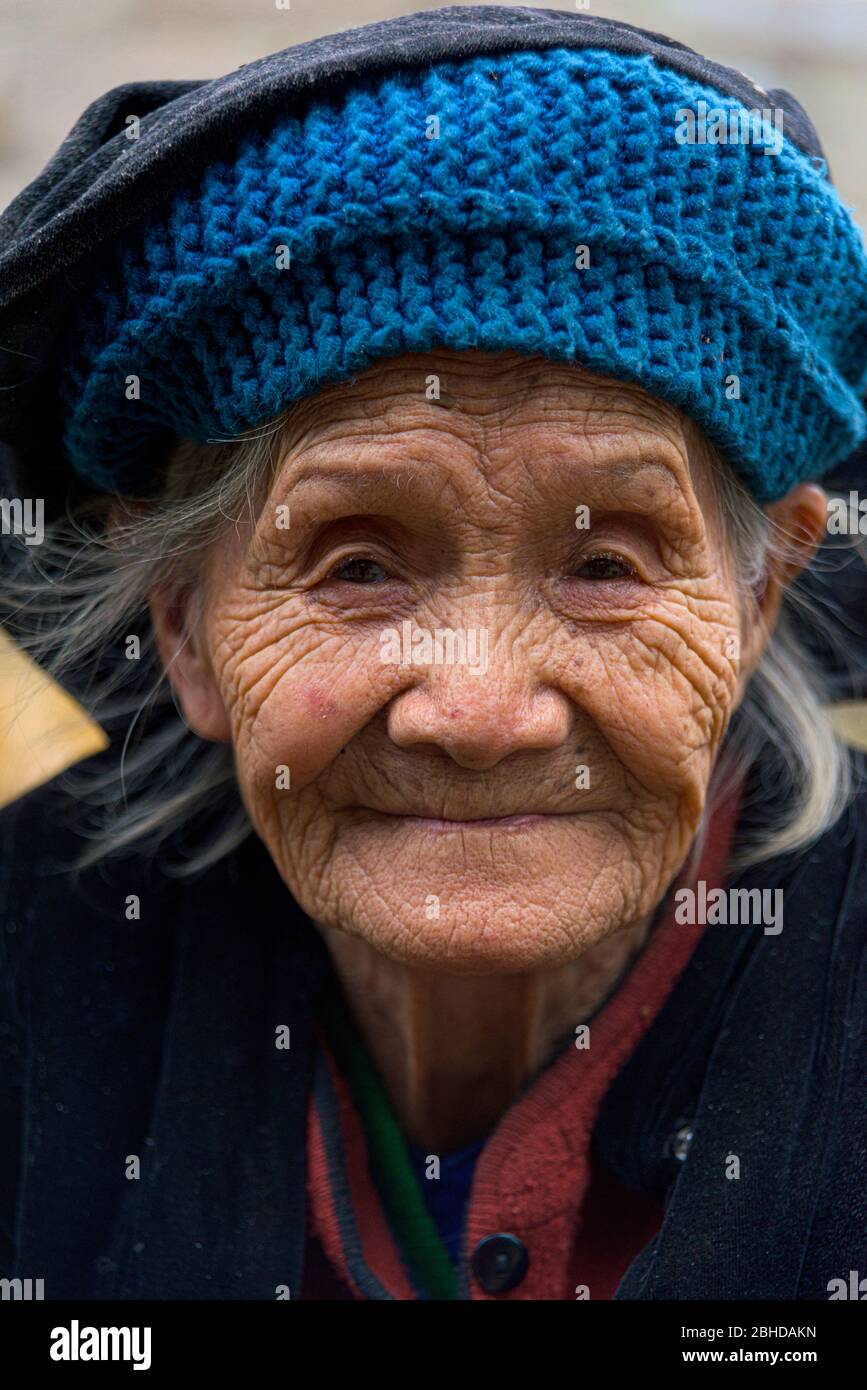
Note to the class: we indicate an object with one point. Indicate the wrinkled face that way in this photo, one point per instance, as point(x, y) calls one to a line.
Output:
point(476, 685)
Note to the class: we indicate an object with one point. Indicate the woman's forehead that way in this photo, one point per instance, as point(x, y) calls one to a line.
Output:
point(485, 401)
point(500, 434)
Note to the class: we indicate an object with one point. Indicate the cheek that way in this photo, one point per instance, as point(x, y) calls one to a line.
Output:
point(661, 692)
point(296, 693)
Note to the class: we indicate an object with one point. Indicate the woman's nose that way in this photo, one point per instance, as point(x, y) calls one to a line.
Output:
point(479, 718)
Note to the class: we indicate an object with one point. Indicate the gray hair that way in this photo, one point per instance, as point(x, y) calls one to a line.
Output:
point(88, 589)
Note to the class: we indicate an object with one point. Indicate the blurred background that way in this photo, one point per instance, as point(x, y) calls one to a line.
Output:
point(55, 58)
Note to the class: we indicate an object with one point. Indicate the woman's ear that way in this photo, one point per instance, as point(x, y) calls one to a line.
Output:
point(180, 643)
point(800, 522)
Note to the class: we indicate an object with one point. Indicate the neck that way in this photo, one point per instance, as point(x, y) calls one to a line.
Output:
point(455, 1050)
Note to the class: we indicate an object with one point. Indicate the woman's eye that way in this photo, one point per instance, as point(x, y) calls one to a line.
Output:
point(605, 564)
point(359, 569)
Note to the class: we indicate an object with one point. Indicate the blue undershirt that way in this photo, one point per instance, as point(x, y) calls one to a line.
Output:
point(447, 1196)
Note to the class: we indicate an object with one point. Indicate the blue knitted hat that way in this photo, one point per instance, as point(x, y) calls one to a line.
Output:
point(445, 207)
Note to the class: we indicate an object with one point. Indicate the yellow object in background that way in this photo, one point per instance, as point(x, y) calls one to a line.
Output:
point(42, 729)
point(849, 720)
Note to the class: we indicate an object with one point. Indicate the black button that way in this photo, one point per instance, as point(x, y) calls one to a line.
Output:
point(680, 1141)
point(500, 1263)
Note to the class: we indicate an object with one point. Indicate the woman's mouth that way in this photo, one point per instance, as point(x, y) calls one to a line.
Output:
point(524, 820)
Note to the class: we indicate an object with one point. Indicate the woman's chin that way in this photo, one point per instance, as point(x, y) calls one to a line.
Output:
point(490, 910)
point(522, 892)
point(490, 935)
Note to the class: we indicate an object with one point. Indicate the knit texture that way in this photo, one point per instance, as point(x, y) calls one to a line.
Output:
point(728, 281)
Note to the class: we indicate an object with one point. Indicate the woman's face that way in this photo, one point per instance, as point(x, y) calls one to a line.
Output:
point(505, 795)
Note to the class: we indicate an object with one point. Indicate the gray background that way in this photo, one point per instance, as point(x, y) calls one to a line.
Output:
point(57, 55)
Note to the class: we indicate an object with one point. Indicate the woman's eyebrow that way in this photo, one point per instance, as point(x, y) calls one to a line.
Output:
point(377, 478)
point(624, 484)
point(638, 473)
point(349, 477)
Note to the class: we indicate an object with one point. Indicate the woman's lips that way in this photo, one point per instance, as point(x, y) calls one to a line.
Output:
point(521, 821)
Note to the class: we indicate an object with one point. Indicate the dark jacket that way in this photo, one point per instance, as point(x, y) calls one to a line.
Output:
point(155, 1038)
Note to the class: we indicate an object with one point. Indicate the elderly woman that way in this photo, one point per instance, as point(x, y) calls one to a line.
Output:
point(470, 902)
